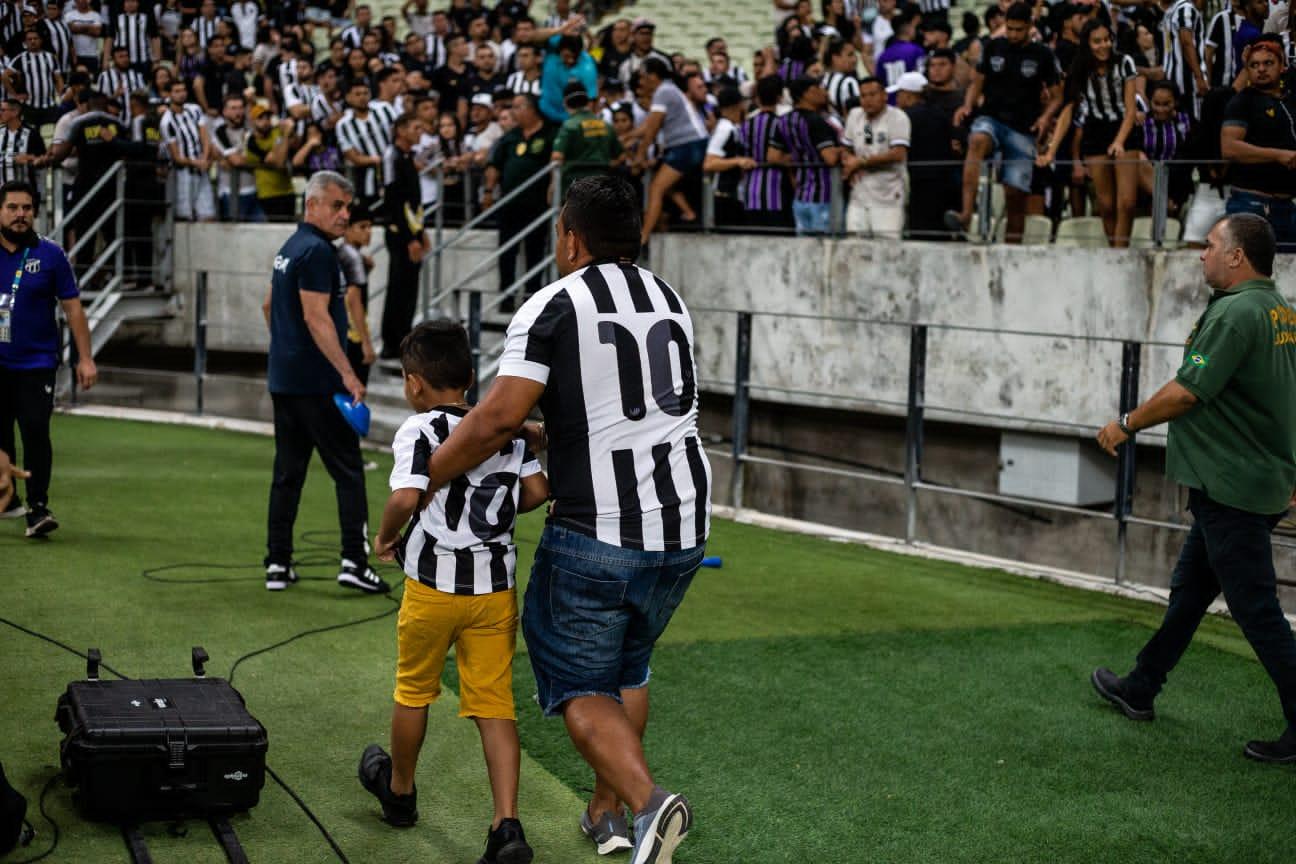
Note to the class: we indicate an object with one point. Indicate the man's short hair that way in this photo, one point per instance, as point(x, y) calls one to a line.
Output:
point(321, 181)
point(231, 97)
point(1272, 43)
point(531, 99)
point(657, 67)
point(439, 353)
point(943, 54)
point(769, 91)
point(358, 81)
point(384, 73)
point(1020, 12)
point(404, 120)
point(604, 212)
point(1249, 232)
point(19, 186)
point(571, 43)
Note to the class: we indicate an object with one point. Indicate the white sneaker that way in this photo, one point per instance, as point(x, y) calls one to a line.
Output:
point(279, 577)
point(657, 834)
point(610, 834)
point(352, 575)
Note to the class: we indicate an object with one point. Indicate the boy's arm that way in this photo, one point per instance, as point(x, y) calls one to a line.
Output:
point(410, 451)
point(396, 515)
point(535, 492)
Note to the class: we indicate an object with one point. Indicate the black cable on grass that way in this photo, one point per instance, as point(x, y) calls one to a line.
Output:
point(308, 539)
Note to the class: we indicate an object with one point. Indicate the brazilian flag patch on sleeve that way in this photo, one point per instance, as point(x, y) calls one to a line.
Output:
point(1201, 361)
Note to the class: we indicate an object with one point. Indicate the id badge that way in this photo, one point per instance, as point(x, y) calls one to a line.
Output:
point(6, 317)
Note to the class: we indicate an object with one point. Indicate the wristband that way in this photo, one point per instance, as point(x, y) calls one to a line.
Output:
point(1123, 423)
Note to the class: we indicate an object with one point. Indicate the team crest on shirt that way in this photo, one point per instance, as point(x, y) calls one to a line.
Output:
point(996, 64)
point(1029, 68)
point(32, 266)
point(521, 148)
point(537, 145)
point(1269, 112)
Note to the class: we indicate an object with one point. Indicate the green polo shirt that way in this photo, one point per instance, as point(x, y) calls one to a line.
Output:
point(519, 157)
point(588, 145)
point(1238, 444)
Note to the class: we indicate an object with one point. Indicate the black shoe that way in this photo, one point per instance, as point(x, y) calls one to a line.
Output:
point(1280, 752)
point(400, 811)
point(40, 522)
point(280, 576)
point(361, 577)
point(1113, 688)
point(506, 845)
point(954, 223)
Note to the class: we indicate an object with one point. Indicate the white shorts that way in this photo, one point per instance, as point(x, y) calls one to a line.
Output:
point(1206, 209)
point(194, 199)
point(875, 218)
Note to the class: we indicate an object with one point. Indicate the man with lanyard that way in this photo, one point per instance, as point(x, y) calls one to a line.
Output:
point(631, 498)
point(1013, 74)
point(39, 278)
point(306, 314)
point(1259, 140)
point(1232, 414)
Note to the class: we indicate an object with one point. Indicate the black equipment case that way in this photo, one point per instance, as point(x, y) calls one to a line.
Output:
point(160, 748)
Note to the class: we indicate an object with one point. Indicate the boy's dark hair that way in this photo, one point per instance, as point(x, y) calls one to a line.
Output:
point(438, 352)
point(769, 91)
point(604, 212)
point(1020, 12)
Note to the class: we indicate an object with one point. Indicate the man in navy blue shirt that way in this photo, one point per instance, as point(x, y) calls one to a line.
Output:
point(306, 313)
point(37, 278)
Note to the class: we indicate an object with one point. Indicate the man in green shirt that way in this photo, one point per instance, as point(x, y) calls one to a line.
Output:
point(1232, 413)
point(523, 152)
point(586, 144)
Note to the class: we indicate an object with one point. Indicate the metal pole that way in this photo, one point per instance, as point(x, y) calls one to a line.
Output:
point(119, 223)
point(1160, 202)
point(200, 337)
point(741, 408)
point(469, 202)
point(551, 243)
point(1126, 466)
point(985, 203)
point(169, 239)
point(708, 202)
point(914, 426)
point(439, 223)
point(474, 340)
point(836, 204)
point(56, 205)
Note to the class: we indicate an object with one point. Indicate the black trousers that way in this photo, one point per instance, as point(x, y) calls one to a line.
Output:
point(1227, 550)
point(928, 201)
point(534, 244)
point(27, 398)
point(303, 424)
point(402, 295)
point(355, 353)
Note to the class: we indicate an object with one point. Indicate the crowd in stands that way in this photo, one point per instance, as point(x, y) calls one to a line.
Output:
point(878, 104)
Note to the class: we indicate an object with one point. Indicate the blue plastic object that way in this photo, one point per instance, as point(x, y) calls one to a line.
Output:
point(357, 415)
point(712, 561)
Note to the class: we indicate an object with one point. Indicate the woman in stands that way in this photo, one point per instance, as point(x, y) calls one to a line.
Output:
point(1165, 137)
point(1100, 89)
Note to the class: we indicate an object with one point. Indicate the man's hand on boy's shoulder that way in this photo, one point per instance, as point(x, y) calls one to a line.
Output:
point(385, 549)
point(534, 435)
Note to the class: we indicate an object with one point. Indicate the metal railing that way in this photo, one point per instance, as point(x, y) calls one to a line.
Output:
point(916, 408)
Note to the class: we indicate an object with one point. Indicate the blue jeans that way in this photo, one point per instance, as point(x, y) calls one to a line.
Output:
point(1280, 213)
point(1016, 148)
point(593, 613)
point(1227, 550)
point(248, 208)
point(811, 218)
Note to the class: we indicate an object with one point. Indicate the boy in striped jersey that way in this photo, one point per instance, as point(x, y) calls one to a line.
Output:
point(459, 560)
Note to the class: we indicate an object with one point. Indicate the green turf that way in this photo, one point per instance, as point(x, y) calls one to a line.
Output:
point(816, 700)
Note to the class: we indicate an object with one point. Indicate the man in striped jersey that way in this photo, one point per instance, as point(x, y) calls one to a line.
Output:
point(204, 26)
point(762, 189)
point(184, 131)
point(352, 36)
point(119, 80)
point(459, 561)
point(1221, 67)
point(58, 38)
point(40, 76)
point(805, 139)
point(607, 353)
point(841, 83)
point(20, 145)
point(527, 77)
point(1181, 39)
point(138, 32)
point(362, 139)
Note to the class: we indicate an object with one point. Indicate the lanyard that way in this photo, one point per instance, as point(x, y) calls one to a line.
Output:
point(17, 279)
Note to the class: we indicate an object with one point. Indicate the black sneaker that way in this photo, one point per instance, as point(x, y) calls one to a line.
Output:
point(658, 832)
point(280, 576)
point(506, 845)
point(1280, 752)
point(40, 522)
point(954, 223)
point(361, 577)
point(1113, 688)
point(399, 811)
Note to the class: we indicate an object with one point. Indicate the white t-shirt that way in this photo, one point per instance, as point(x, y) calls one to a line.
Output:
point(83, 45)
point(245, 17)
point(866, 137)
point(428, 154)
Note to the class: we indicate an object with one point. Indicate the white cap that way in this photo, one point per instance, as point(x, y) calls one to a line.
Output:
point(909, 82)
point(483, 98)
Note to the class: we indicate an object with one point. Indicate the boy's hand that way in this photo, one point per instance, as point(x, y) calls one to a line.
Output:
point(534, 435)
point(385, 549)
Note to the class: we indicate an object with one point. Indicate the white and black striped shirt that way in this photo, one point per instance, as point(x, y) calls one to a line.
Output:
point(11, 23)
point(134, 31)
point(58, 41)
point(367, 137)
point(843, 91)
point(112, 79)
point(352, 36)
point(462, 540)
point(931, 7)
point(185, 129)
point(1219, 35)
point(518, 83)
point(386, 113)
point(1104, 95)
point(613, 346)
point(246, 15)
point(204, 29)
point(38, 72)
point(436, 51)
point(322, 108)
point(736, 74)
point(25, 140)
point(1183, 15)
point(300, 94)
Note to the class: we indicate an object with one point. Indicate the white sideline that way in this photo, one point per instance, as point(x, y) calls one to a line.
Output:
point(1071, 578)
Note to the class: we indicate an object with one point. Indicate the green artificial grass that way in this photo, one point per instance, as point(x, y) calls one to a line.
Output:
point(815, 700)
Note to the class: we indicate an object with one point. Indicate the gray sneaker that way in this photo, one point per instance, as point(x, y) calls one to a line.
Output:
point(659, 831)
point(610, 834)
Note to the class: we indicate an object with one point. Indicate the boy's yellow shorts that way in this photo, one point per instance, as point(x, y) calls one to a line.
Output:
point(483, 629)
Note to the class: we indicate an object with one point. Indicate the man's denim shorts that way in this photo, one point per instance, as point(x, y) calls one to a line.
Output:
point(1017, 150)
point(593, 612)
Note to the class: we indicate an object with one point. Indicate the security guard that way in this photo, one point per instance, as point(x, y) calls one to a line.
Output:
point(1232, 413)
point(523, 152)
point(586, 144)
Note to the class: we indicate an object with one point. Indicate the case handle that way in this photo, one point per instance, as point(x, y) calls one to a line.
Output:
point(200, 658)
point(93, 658)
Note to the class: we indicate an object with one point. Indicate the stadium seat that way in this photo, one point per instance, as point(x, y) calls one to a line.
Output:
point(1038, 230)
point(1141, 233)
point(996, 234)
point(1081, 232)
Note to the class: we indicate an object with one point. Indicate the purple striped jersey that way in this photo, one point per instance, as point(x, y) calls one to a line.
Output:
point(762, 188)
point(803, 135)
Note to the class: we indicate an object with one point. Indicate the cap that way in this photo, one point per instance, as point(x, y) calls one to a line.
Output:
point(728, 97)
point(259, 109)
point(575, 93)
point(641, 23)
point(909, 82)
point(484, 99)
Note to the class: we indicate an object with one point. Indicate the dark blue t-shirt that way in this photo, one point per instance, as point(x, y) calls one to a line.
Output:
point(42, 281)
point(307, 262)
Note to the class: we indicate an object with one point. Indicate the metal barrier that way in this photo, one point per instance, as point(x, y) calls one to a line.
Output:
point(916, 407)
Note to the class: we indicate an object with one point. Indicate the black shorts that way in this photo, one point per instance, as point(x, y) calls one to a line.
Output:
point(1099, 134)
